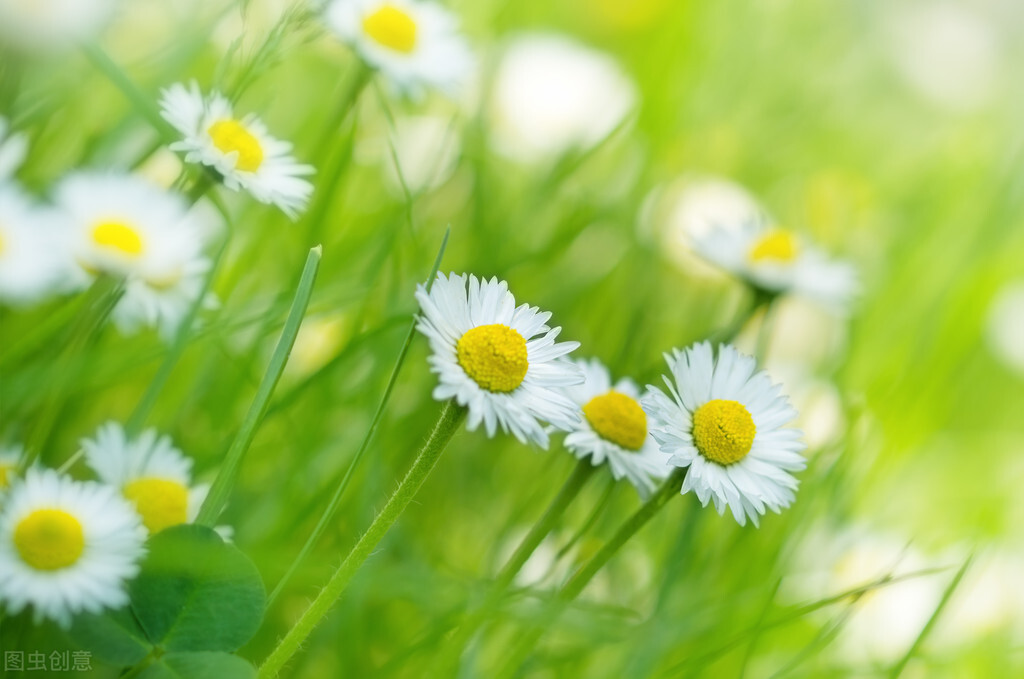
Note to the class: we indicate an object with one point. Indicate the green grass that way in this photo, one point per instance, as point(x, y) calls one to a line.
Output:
point(798, 102)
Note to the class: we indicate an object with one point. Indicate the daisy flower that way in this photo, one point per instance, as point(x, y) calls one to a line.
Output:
point(613, 428)
point(149, 471)
point(33, 263)
point(498, 360)
point(414, 44)
point(125, 226)
point(778, 261)
point(726, 424)
point(66, 547)
point(13, 148)
point(239, 149)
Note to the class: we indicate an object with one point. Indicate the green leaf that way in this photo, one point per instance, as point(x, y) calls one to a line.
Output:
point(201, 665)
point(113, 637)
point(196, 592)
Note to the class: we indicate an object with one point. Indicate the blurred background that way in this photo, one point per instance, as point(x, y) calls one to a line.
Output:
point(598, 137)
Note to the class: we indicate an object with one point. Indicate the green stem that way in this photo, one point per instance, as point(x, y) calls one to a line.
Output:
point(218, 497)
point(142, 102)
point(332, 506)
point(570, 489)
point(99, 301)
point(586, 572)
point(448, 423)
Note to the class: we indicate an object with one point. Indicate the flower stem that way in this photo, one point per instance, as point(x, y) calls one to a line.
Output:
point(332, 506)
point(570, 489)
point(447, 424)
point(218, 496)
point(579, 580)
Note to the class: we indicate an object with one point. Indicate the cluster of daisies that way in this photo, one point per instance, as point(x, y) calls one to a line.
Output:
point(721, 419)
point(69, 546)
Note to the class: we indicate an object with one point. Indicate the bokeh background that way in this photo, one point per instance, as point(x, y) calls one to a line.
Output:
point(599, 135)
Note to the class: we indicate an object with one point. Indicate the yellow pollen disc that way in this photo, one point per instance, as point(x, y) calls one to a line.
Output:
point(231, 135)
point(160, 503)
point(1, 243)
point(392, 28)
point(617, 418)
point(118, 236)
point(49, 539)
point(494, 356)
point(723, 431)
point(777, 245)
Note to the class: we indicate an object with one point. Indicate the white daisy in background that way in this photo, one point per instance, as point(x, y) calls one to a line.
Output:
point(499, 360)
point(66, 546)
point(239, 149)
point(613, 428)
point(725, 423)
point(41, 25)
point(125, 226)
point(10, 456)
point(149, 471)
point(416, 45)
point(778, 261)
point(33, 263)
point(553, 95)
point(13, 149)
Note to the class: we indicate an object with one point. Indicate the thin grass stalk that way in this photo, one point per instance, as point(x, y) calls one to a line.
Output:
point(332, 506)
point(222, 485)
point(448, 423)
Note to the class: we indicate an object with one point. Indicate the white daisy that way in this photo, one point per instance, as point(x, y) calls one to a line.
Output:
point(33, 262)
point(122, 224)
point(149, 471)
point(778, 261)
point(239, 149)
point(414, 44)
point(13, 149)
point(39, 25)
point(66, 547)
point(499, 360)
point(553, 95)
point(613, 428)
point(725, 423)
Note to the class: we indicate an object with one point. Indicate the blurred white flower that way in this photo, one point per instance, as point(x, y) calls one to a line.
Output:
point(10, 455)
point(66, 547)
point(33, 263)
point(1006, 326)
point(148, 471)
point(726, 423)
point(947, 51)
point(241, 150)
point(613, 428)
point(40, 25)
point(125, 226)
point(779, 261)
point(13, 149)
point(552, 95)
point(497, 359)
point(416, 45)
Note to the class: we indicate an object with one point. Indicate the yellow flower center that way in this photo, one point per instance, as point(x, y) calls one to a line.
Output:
point(392, 28)
point(118, 236)
point(494, 356)
point(160, 503)
point(778, 245)
point(49, 539)
point(617, 418)
point(1, 243)
point(723, 431)
point(231, 135)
